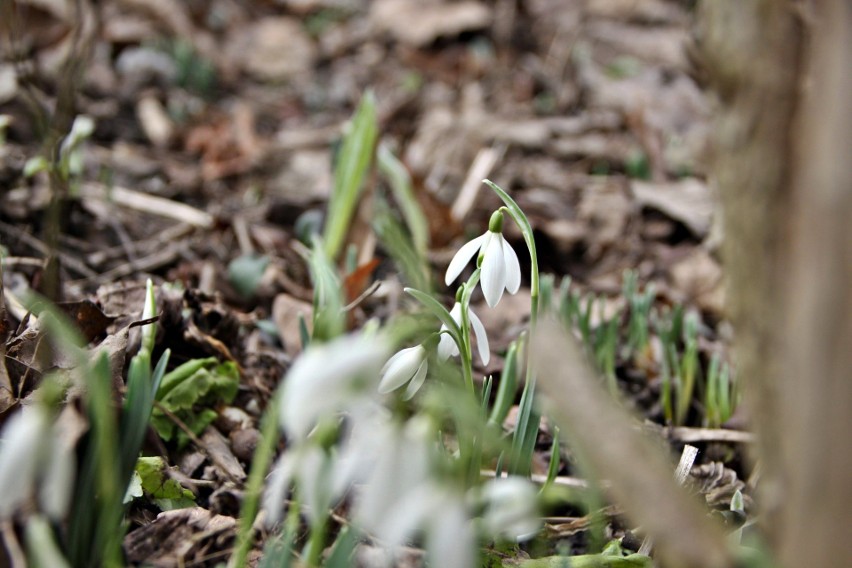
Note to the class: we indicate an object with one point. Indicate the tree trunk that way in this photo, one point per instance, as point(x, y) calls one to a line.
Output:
point(783, 141)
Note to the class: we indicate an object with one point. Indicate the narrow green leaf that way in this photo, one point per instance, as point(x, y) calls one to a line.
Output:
point(344, 548)
point(353, 161)
point(260, 462)
point(507, 387)
point(400, 184)
point(398, 244)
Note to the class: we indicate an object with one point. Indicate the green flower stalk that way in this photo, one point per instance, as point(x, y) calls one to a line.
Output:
point(529, 417)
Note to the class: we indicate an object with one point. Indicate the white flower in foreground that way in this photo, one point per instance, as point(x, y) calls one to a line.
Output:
point(22, 445)
point(511, 510)
point(447, 347)
point(407, 366)
point(330, 378)
point(312, 469)
point(33, 453)
point(500, 267)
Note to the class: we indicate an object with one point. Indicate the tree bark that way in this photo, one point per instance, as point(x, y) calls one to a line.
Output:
point(783, 141)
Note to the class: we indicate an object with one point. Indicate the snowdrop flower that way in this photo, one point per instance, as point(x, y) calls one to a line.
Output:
point(398, 494)
point(32, 454)
point(447, 347)
point(500, 267)
point(511, 508)
point(20, 455)
point(330, 378)
point(407, 366)
point(312, 469)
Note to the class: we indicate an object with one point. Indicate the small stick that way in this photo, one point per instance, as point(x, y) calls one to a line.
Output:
point(479, 170)
point(687, 458)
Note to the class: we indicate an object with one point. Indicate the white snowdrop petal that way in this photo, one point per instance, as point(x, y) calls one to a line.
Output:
point(511, 511)
point(481, 337)
point(392, 361)
point(451, 539)
point(493, 271)
point(22, 439)
point(513, 268)
point(447, 346)
point(322, 380)
point(57, 486)
point(402, 369)
point(462, 257)
point(417, 381)
point(277, 486)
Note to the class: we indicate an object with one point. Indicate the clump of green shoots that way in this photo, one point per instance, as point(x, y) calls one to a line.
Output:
point(627, 335)
point(90, 492)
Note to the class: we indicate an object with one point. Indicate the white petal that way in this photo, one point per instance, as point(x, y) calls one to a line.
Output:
point(322, 379)
point(493, 271)
point(417, 381)
point(462, 257)
point(447, 346)
point(277, 486)
point(513, 268)
point(481, 337)
point(511, 512)
point(315, 483)
point(451, 540)
point(22, 438)
point(57, 485)
point(401, 368)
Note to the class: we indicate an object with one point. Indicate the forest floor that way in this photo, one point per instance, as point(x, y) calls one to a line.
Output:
point(215, 128)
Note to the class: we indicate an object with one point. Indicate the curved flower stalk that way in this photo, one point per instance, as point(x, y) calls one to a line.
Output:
point(447, 346)
point(499, 262)
point(523, 441)
point(408, 366)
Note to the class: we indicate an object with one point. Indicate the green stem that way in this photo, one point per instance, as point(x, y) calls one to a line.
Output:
point(259, 466)
point(465, 349)
point(528, 419)
point(316, 542)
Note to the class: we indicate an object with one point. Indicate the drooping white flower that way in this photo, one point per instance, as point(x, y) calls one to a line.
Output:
point(34, 453)
point(500, 267)
point(20, 454)
point(330, 378)
point(311, 468)
point(392, 462)
point(447, 347)
point(407, 366)
point(511, 510)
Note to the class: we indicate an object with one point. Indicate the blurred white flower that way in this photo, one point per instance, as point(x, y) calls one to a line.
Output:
point(34, 454)
point(407, 366)
point(450, 537)
point(398, 495)
point(511, 510)
point(447, 347)
point(330, 378)
point(500, 267)
point(311, 468)
point(22, 438)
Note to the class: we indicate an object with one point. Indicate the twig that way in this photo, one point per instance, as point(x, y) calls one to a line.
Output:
point(66, 260)
point(693, 435)
point(148, 204)
point(13, 547)
point(564, 480)
point(687, 458)
point(479, 170)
